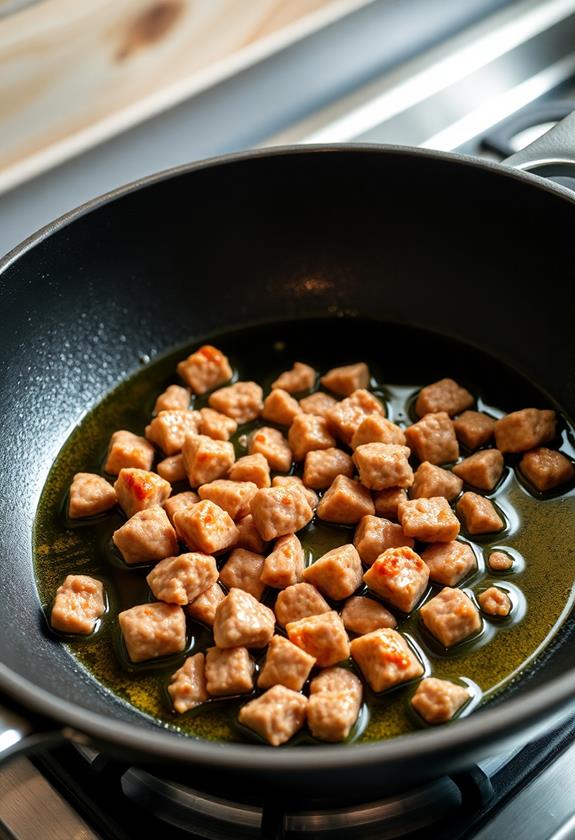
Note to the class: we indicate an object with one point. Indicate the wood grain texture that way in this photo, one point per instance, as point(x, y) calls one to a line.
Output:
point(74, 73)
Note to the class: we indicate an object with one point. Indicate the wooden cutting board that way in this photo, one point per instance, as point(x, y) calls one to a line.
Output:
point(75, 72)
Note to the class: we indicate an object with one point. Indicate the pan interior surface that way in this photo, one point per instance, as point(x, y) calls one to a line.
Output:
point(537, 530)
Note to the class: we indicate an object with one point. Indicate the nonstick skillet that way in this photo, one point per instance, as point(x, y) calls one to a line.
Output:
point(470, 249)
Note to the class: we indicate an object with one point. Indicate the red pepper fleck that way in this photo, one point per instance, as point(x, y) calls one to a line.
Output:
point(212, 354)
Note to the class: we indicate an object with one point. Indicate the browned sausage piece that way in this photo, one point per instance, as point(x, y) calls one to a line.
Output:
point(188, 685)
point(478, 514)
point(377, 429)
point(374, 535)
point(336, 574)
point(318, 403)
point(216, 425)
point(138, 490)
point(499, 561)
point(363, 615)
point(449, 562)
point(229, 671)
point(89, 495)
point(399, 576)
point(284, 480)
point(525, 429)
point(147, 537)
point(242, 570)
point(284, 566)
point(128, 450)
point(204, 369)
point(170, 428)
point(300, 378)
point(181, 579)
point(273, 446)
point(385, 659)
point(174, 398)
point(180, 501)
point(277, 715)
point(172, 468)
point(248, 535)
point(206, 459)
point(483, 469)
point(334, 704)
point(280, 510)
point(432, 439)
point(299, 601)
point(206, 527)
point(451, 616)
point(431, 480)
point(309, 432)
point(546, 469)
point(241, 621)
point(383, 465)
point(322, 466)
point(345, 502)
point(232, 496)
point(204, 607)
point(153, 630)
point(437, 701)
point(280, 407)
point(285, 664)
point(78, 604)
point(494, 601)
point(346, 379)
point(322, 636)
point(444, 395)
point(473, 428)
point(242, 401)
point(386, 502)
point(252, 468)
point(346, 417)
point(430, 520)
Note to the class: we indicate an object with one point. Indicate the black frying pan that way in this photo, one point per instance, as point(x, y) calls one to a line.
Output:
point(468, 248)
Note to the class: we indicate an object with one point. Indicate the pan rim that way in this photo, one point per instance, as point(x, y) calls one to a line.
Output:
point(501, 722)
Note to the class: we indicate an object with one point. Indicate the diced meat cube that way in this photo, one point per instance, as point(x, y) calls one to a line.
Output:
point(216, 425)
point(242, 621)
point(451, 616)
point(444, 395)
point(280, 510)
point(284, 566)
point(387, 501)
point(323, 465)
point(204, 369)
point(385, 659)
point(432, 439)
point(318, 403)
point(309, 432)
point(399, 576)
point(347, 379)
point(153, 630)
point(248, 535)
point(254, 468)
point(499, 561)
point(322, 636)
point(242, 570)
point(172, 468)
point(229, 671)
point(273, 446)
point(181, 579)
point(437, 701)
point(286, 664)
point(546, 468)
point(174, 398)
point(336, 574)
point(377, 429)
point(525, 429)
point(128, 450)
point(432, 481)
point(383, 465)
point(334, 704)
point(146, 537)
point(430, 520)
point(170, 428)
point(474, 428)
point(286, 480)
point(138, 490)
point(479, 514)
point(495, 602)
point(345, 502)
point(188, 685)
point(346, 417)
point(300, 378)
point(276, 715)
point(242, 401)
point(449, 562)
point(232, 496)
point(180, 501)
point(280, 407)
point(206, 459)
point(483, 469)
point(299, 601)
point(89, 495)
point(206, 527)
point(203, 608)
point(78, 604)
point(363, 615)
point(373, 536)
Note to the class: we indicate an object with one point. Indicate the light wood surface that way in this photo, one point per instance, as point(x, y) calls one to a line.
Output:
point(73, 73)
